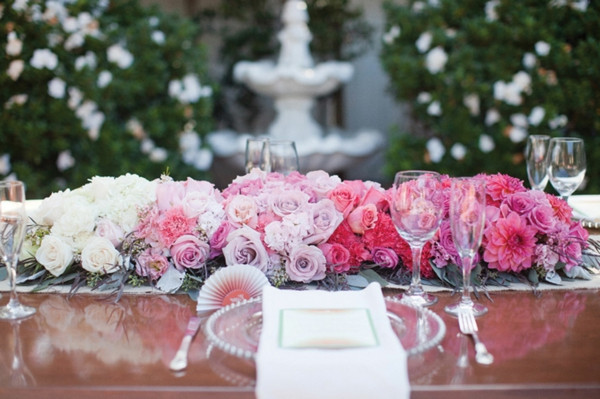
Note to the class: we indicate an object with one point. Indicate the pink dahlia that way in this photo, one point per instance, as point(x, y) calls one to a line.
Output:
point(510, 244)
point(500, 186)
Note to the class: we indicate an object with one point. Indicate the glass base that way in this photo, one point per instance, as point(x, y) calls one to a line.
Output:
point(476, 308)
point(421, 299)
point(14, 311)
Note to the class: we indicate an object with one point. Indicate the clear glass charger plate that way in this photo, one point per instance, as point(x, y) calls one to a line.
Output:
point(235, 329)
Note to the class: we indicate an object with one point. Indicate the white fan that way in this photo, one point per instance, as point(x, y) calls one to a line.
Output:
point(229, 285)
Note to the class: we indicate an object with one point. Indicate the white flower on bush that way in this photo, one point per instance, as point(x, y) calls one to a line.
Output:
point(529, 60)
point(435, 60)
point(523, 81)
point(54, 254)
point(391, 34)
point(542, 48)
point(204, 159)
point(136, 129)
point(471, 101)
point(519, 120)
point(436, 149)
point(74, 41)
point(458, 151)
point(88, 60)
point(558, 122)
point(4, 164)
point(188, 90)
point(507, 92)
point(424, 97)
point(119, 55)
point(580, 5)
point(104, 79)
point(14, 45)
point(492, 116)
point(18, 99)
point(423, 43)
point(158, 37)
point(91, 118)
point(536, 116)
point(15, 68)
point(44, 58)
point(65, 160)
point(486, 143)
point(158, 155)
point(20, 5)
point(57, 88)
point(100, 256)
point(490, 10)
point(517, 134)
point(434, 109)
point(146, 146)
point(75, 97)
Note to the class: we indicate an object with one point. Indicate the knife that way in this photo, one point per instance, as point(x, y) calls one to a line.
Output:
point(179, 362)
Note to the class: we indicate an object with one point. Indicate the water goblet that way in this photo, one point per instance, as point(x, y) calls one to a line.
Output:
point(283, 156)
point(467, 222)
point(13, 223)
point(536, 153)
point(417, 209)
point(255, 154)
point(566, 165)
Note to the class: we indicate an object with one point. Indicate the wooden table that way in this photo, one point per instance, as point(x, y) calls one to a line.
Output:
point(85, 347)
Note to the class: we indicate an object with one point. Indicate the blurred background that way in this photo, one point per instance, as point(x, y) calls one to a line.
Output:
point(107, 87)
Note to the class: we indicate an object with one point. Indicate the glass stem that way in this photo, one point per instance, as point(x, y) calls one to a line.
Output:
point(11, 268)
point(467, 261)
point(416, 267)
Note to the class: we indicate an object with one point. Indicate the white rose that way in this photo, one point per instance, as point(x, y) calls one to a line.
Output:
point(54, 254)
point(458, 151)
point(486, 143)
point(537, 115)
point(15, 69)
point(424, 42)
point(100, 256)
point(542, 48)
point(435, 60)
point(436, 149)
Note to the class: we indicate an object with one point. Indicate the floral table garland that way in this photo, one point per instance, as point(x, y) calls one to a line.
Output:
point(298, 229)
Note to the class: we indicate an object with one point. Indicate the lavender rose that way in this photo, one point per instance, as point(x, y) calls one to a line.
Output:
point(385, 257)
point(151, 263)
point(287, 202)
point(325, 220)
point(542, 217)
point(189, 252)
point(245, 247)
point(306, 263)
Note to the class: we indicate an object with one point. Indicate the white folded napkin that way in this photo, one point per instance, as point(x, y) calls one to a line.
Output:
point(586, 207)
point(319, 344)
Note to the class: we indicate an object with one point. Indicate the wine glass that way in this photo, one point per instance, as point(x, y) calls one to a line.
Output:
point(566, 165)
point(536, 153)
point(255, 150)
point(417, 209)
point(283, 156)
point(467, 221)
point(13, 223)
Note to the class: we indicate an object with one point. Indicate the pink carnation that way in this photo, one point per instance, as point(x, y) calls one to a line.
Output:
point(174, 224)
point(510, 244)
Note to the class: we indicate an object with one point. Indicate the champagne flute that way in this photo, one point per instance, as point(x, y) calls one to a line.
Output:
point(417, 209)
point(255, 151)
point(467, 222)
point(13, 223)
point(536, 156)
point(283, 156)
point(566, 165)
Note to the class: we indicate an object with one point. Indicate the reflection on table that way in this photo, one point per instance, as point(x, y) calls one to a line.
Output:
point(86, 346)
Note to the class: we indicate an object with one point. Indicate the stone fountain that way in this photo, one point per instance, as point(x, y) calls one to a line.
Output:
point(294, 82)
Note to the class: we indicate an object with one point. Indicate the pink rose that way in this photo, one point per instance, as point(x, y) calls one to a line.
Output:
point(521, 202)
point(385, 257)
point(377, 197)
point(242, 210)
point(285, 202)
point(363, 218)
point(321, 182)
point(111, 231)
point(169, 194)
point(245, 247)
point(306, 263)
point(542, 217)
point(336, 256)
point(219, 239)
point(151, 263)
point(344, 198)
point(189, 252)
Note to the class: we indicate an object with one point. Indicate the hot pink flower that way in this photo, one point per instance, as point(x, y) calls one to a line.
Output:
point(510, 244)
point(385, 257)
point(499, 186)
point(562, 210)
point(336, 255)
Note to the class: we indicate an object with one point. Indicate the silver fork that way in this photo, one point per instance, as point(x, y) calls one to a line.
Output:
point(468, 326)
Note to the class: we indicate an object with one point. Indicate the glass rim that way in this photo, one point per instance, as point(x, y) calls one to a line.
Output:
point(573, 139)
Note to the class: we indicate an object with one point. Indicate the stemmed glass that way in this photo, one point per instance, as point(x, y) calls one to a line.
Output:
point(283, 156)
point(255, 149)
point(417, 209)
point(536, 153)
point(467, 221)
point(13, 223)
point(566, 165)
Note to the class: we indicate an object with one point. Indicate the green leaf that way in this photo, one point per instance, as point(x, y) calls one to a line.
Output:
point(3, 273)
point(371, 276)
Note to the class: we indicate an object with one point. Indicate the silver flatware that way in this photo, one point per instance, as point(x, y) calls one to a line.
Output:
point(468, 326)
point(180, 360)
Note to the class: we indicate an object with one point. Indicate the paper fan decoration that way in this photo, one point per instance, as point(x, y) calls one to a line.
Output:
point(229, 285)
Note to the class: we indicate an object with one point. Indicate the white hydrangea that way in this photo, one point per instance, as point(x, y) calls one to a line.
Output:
point(435, 60)
point(119, 55)
point(44, 58)
point(486, 143)
point(436, 149)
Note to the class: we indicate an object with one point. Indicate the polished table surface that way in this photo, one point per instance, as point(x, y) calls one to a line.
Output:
point(86, 347)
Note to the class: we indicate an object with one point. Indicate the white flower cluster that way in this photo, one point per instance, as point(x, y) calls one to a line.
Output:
point(90, 222)
point(192, 152)
point(188, 90)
